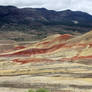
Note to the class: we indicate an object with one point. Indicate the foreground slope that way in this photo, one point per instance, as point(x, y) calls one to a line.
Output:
point(60, 63)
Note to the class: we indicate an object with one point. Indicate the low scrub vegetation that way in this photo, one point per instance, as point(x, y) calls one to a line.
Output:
point(38, 90)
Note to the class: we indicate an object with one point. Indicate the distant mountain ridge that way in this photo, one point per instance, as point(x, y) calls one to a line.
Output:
point(42, 16)
point(44, 20)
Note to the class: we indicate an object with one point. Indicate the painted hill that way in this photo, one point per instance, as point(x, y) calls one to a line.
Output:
point(56, 47)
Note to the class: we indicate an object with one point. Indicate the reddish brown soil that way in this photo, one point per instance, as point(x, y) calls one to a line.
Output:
point(60, 45)
point(23, 61)
point(19, 47)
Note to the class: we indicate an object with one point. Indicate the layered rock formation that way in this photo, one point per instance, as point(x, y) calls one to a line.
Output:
point(56, 47)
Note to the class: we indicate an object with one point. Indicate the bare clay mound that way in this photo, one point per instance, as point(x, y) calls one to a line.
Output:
point(60, 63)
point(55, 76)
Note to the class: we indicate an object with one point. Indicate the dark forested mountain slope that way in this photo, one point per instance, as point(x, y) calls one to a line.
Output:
point(12, 18)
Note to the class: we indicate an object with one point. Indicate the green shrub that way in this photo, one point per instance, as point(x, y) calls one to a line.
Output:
point(39, 90)
point(42, 90)
point(30, 90)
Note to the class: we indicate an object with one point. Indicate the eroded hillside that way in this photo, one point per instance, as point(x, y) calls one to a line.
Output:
point(59, 62)
point(56, 47)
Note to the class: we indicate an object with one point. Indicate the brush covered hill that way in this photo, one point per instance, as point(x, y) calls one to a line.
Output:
point(43, 21)
point(35, 16)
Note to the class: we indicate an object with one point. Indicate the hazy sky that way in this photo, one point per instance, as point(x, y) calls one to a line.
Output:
point(80, 5)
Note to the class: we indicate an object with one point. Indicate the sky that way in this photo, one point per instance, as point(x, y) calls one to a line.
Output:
point(58, 5)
